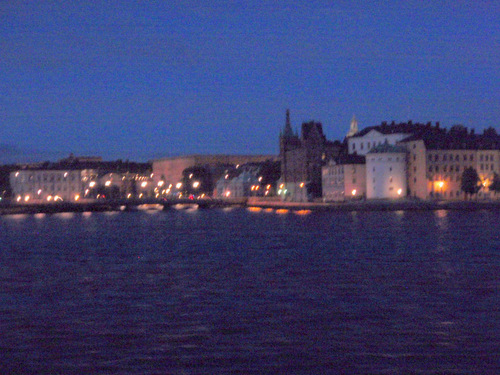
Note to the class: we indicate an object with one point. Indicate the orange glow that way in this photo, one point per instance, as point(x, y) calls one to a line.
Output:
point(303, 212)
point(282, 211)
point(254, 209)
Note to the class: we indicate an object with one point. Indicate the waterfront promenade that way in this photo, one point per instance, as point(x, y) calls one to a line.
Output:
point(165, 204)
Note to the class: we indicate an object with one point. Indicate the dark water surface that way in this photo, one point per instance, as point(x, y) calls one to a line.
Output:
point(241, 292)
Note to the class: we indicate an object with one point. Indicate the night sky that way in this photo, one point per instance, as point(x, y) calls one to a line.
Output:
point(139, 80)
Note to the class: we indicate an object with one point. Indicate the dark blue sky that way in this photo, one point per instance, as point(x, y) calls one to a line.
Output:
point(140, 80)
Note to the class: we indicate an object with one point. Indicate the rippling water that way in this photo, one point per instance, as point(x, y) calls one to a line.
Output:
point(242, 292)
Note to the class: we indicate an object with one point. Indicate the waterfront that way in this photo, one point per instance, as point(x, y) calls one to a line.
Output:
point(251, 292)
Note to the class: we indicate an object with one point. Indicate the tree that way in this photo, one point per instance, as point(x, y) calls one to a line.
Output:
point(495, 185)
point(470, 183)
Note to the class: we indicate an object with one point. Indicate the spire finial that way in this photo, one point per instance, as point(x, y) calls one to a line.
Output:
point(354, 127)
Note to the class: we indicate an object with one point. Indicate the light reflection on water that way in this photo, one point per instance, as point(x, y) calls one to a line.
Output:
point(228, 291)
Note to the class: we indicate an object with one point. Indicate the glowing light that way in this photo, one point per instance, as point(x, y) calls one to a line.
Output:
point(226, 176)
point(168, 191)
point(57, 198)
point(302, 212)
point(400, 191)
point(39, 191)
point(440, 184)
point(281, 211)
point(144, 184)
point(301, 185)
point(279, 191)
point(260, 179)
point(140, 195)
point(268, 187)
point(353, 192)
point(49, 198)
point(87, 191)
point(254, 209)
point(228, 193)
point(252, 188)
point(129, 195)
point(18, 198)
point(178, 185)
point(77, 197)
point(196, 184)
point(107, 183)
point(92, 184)
point(65, 174)
point(190, 175)
point(160, 183)
point(282, 186)
point(17, 174)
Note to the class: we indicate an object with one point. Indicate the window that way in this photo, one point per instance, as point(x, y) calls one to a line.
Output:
point(353, 180)
point(414, 179)
point(465, 157)
point(354, 146)
point(368, 145)
point(491, 166)
point(444, 157)
point(482, 167)
point(390, 169)
point(430, 168)
point(437, 168)
point(456, 157)
point(471, 157)
point(390, 179)
point(414, 145)
point(414, 169)
point(436, 157)
point(414, 157)
point(481, 158)
point(444, 168)
point(373, 169)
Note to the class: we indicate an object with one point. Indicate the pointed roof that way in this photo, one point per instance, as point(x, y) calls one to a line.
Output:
point(287, 132)
point(354, 127)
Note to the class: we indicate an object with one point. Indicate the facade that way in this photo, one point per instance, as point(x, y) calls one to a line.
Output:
point(437, 159)
point(36, 186)
point(344, 179)
point(386, 172)
point(244, 185)
point(168, 171)
point(302, 158)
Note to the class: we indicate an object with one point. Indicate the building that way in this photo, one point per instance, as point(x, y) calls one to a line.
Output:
point(344, 178)
point(36, 186)
point(168, 171)
point(363, 141)
point(302, 158)
point(437, 158)
point(386, 172)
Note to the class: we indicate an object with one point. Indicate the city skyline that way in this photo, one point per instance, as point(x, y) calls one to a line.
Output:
point(140, 81)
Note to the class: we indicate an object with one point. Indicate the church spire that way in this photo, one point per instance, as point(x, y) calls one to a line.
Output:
point(288, 132)
point(354, 127)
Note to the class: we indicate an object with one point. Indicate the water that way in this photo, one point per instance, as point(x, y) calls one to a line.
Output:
point(241, 292)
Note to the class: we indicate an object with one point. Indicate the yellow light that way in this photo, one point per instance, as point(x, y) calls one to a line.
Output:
point(252, 188)
point(282, 211)
point(39, 191)
point(282, 186)
point(57, 198)
point(302, 212)
point(400, 191)
point(179, 185)
point(353, 192)
point(140, 195)
point(168, 191)
point(107, 183)
point(17, 174)
point(196, 184)
point(18, 198)
point(26, 198)
point(92, 184)
point(144, 184)
point(129, 195)
point(49, 198)
point(301, 185)
point(268, 187)
point(77, 197)
point(260, 179)
point(440, 184)
point(191, 175)
point(254, 209)
point(160, 183)
point(65, 174)
point(257, 187)
point(228, 193)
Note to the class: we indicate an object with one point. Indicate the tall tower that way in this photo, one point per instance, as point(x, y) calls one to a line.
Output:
point(354, 127)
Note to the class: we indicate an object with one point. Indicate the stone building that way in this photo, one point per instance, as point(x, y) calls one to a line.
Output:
point(302, 158)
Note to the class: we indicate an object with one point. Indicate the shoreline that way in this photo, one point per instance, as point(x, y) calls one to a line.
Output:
point(382, 205)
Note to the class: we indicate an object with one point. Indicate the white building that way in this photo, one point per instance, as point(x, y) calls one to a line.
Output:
point(386, 172)
point(50, 185)
point(362, 142)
